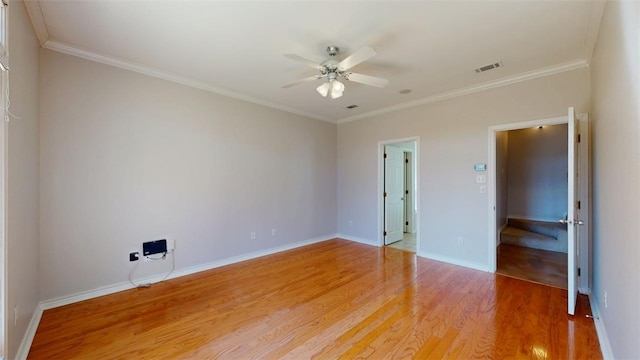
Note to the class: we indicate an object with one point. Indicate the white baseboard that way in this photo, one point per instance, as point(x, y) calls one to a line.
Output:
point(357, 239)
point(114, 288)
point(27, 339)
point(603, 339)
point(454, 261)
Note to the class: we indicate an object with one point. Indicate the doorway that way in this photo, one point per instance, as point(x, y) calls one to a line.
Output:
point(577, 199)
point(398, 184)
point(531, 189)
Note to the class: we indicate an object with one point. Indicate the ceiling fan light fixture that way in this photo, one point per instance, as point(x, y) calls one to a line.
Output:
point(336, 89)
point(324, 89)
point(337, 86)
point(335, 94)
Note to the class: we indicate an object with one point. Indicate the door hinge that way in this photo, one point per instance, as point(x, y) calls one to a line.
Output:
point(406, 161)
point(406, 223)
point(385, 155)
point(384, 194)
point(578, 137)
point(406, 192)
point(578, 205)
point(578, 271)
point(385, 233)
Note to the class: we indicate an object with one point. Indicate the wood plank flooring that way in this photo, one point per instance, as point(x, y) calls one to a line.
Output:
point(332, 300)
point(541, 266)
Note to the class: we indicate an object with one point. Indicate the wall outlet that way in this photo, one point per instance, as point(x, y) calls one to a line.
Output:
point(606, 303)
point(253, 235)
point(460, 240)
point(273, 232)
point(134, 256)
point(350, 223)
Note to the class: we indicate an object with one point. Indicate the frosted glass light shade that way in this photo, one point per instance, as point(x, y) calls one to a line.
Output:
point(324, 89)
point(337, 86)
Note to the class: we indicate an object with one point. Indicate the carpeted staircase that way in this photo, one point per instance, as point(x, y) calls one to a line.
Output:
point(542, 235)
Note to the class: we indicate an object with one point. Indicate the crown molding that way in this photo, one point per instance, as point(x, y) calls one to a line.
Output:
point(146, 70)
point(593, 27)
point(149, 71)
point(534, 74)
point(34, 10)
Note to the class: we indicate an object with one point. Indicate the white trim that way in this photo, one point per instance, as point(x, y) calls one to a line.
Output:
point(27, 339)
point(534, 74)
point(593, 27)
point(358, 240)
point(603, 339)
point(110, 289)
point(454, 261)
point(4, 249)
point(585, 277)
point(380, 161)
point(182, 80)
point(29, 335)
point(491, 178)
point(37, 20)
point(149, 71)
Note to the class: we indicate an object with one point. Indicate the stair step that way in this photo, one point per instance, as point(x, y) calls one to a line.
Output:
point(525, 238)
point(548, 228)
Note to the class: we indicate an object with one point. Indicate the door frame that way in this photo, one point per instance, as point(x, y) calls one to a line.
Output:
point(584, 249)
point(409, 185)
point(380, 197)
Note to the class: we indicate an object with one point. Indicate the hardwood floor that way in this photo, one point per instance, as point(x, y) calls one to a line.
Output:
point(541, 266)
point(335, 299)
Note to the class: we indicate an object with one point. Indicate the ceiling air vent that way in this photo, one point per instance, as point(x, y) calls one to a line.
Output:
point(352, 106)
point(490, 67)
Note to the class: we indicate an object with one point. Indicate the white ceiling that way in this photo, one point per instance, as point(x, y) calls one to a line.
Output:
point(235, 48)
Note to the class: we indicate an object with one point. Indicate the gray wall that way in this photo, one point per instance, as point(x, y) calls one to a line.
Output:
point(453, 137)
point(537, 173)
point(616, 180)
point(22, 177)
point(126, 158)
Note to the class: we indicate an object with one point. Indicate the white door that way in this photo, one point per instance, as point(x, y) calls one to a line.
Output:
point(573, 219)
point(393, 197)
point(408, 193)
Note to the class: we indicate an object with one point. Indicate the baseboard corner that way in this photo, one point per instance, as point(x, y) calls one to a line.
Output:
point(454, 261)
point(357, 239)
point(29, 335)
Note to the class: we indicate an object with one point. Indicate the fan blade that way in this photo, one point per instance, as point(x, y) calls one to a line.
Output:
point(366, 79)
point(314, 77)
point(356, 58)
point(307, 62)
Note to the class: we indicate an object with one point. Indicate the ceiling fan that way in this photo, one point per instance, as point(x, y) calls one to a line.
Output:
point(332, 69)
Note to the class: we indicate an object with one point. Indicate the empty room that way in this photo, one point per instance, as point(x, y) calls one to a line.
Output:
point(319, 179)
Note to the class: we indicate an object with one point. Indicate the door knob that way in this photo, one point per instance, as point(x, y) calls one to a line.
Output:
point(563, 221)
point(580, 222)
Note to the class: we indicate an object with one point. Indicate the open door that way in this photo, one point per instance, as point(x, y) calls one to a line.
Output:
point(393, 194)
point(572, 221)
